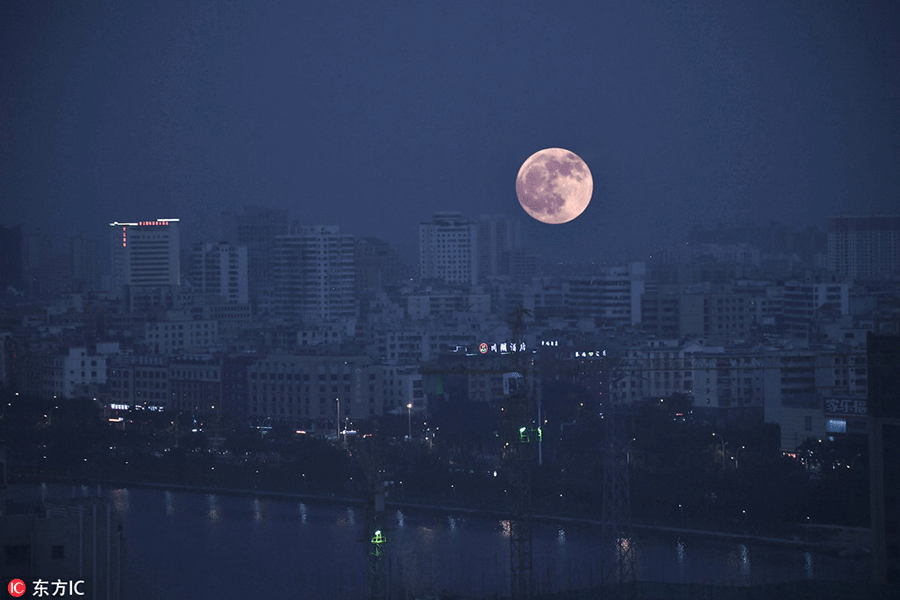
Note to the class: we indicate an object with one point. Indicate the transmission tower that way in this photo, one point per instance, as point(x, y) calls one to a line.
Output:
point(521, 438)
point(617, 535)
point(369, 452)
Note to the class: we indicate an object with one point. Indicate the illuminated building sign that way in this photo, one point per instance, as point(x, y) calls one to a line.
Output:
point(155, 223)
point(836, 426)
point(503, 347)
point(150, 407)
point(846, 406)
point(590, 354)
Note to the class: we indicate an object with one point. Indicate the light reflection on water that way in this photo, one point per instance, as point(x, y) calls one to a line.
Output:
point(745, 563)
point(428, 551)
point(739, 563)
point(213, 511)
point(426, 534)
point(348, 519)
point(120, 499)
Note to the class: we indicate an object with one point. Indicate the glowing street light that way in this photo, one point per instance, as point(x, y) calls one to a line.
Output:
point(409, 421)
point(337, 425)
point(723, 448)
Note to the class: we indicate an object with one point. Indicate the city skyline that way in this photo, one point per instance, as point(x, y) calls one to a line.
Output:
point(373, 119)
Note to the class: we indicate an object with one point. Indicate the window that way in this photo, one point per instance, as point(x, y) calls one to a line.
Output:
point(57, 552)
point(807, 423)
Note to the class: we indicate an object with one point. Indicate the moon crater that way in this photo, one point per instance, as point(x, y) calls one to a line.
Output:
point(554, 185)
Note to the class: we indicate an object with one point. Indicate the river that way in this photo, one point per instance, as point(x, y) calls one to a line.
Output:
point(182, 544)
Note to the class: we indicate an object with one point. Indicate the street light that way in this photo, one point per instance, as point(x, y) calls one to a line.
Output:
point(337, 426)
point(723, 449)
point(409, 421)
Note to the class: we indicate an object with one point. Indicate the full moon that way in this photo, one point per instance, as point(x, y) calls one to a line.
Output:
point(554, 185)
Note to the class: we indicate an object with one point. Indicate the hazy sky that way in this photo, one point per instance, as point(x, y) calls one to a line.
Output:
point(371, 115)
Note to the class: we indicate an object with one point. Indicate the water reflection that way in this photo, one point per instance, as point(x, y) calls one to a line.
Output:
point(213, 510)
point(745, 563)
point(739, 560)
point(120, 499)
point(427, 534)
point(348, 519)
point(625, 553)
point(681, 558)
point(473, 561)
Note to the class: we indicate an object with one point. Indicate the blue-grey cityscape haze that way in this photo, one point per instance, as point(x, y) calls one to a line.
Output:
point(267, 288)
point(373, 115)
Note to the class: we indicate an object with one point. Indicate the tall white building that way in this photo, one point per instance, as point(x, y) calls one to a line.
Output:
point(315, 275)
point(448, 249)
point(221, 269)
point(145, 254)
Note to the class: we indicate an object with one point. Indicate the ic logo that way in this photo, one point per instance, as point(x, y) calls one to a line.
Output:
point(16, 588)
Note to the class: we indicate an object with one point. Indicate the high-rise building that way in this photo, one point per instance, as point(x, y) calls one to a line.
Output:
point(448, 249)
point(864, 247)
point(83, 263)
point(612, 294)
point(145, 254)
point(884, 448)
point(315, 275)
point(377, 265)
point(498, 237)
point(803, 302)
point(257, 229)
point(221, 269)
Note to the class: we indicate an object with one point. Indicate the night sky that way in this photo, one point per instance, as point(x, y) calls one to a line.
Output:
point(372, 115)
